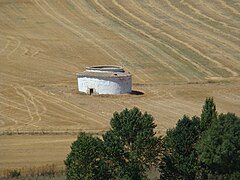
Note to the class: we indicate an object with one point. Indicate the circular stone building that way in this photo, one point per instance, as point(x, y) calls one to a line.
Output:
point(104, 80)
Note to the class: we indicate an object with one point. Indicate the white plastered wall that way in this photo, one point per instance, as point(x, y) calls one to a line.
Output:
point(119, 85)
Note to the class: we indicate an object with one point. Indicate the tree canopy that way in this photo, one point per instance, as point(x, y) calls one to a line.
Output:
point(209, 114)
point(203, 148)
point(219, 147)
point(133, 143)
point(86, 159)
point(126, 151)
point(180, 159)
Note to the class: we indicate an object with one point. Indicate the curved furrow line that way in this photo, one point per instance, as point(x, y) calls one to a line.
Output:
point(192, 6)
point(67, 109)
point(168, 97)
point(136, 30)
point(181, 103)
point(28, 99)
point(191, 25)
point(128, 40)
point(214, 29)
point(11, 119)
point(5, 47)
point(77, 31)
point(121, 58)
point(14, 107)
point(11, 42)
point(62, 118)
point(10, 101)
point(177, 52)
point(191, 37)
point(165, 64)
point(161, 114)
point(57, 101)
point(31, 99)
point(66, 23)
point(27, 107)
point(26, 50)
point(35, 53)
point(89, 15)
point(214, 8)
point(194, 33)
point(234, 98)
point(228, 98)
point(147, 24)
point(225, 4)
point(21, 109)
point(231, 50)
point(18, 45)
point(149, 53)
point(224, 8)
point(198, 15)
point(31, 51)
point(177, 40)
point(15, 77)
point(92, 39)
point(74, 118)
point(44, 108)
point(175, 102)
point(145, 106)
point(164, 106)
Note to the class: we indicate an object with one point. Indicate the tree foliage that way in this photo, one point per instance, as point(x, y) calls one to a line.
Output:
point(86, 159)
point(132, 143)
point(219, 148)
point(206, 147)
point(180, 159)
point(203, 148)
point(126, 151)
point(209, 114)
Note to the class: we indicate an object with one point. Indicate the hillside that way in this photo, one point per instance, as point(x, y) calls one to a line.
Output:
point(179, 52)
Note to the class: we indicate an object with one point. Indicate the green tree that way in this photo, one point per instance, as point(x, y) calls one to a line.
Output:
point(219, 147)
point(180, 158)
point(209, 113)
point(87, 159)
point(131, 144)
point(127, 150)
point(206, 148)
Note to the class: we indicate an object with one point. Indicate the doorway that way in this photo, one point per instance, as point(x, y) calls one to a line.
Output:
point(91, 91)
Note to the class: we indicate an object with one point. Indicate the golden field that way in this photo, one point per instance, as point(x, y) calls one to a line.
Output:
point(179, 52)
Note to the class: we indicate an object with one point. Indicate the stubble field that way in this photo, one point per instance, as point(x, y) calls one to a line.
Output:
point(179, 52)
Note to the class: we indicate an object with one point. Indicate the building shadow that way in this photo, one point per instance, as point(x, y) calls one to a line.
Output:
point(137, 93)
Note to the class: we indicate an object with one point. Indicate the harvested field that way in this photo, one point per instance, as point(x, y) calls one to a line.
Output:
point(179, 52)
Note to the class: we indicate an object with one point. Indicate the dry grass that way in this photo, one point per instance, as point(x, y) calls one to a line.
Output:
point(42, 172)
point(179, 52)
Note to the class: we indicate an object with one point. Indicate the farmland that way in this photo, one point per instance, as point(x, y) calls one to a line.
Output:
point(179, 52)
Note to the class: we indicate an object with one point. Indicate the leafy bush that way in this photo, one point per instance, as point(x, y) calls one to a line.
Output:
point(15, 173)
